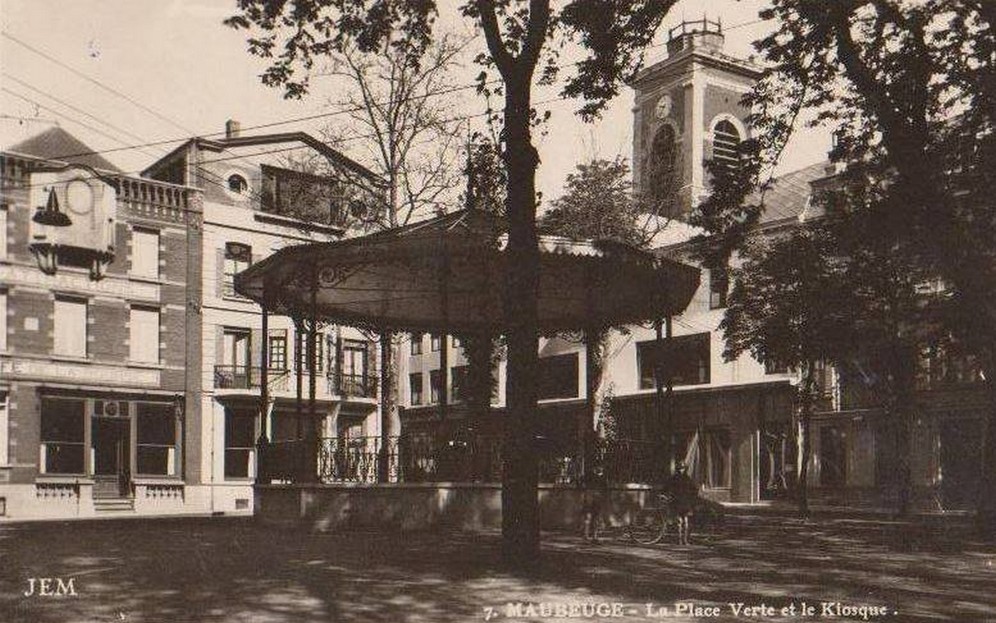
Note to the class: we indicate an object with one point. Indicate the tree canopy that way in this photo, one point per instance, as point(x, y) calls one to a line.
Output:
point(598, 203)
point(520, 36)
point(908, 88)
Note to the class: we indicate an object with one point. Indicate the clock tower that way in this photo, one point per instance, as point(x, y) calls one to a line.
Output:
point(688, 111)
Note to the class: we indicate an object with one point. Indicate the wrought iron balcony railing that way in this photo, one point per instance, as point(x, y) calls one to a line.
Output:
point(236, 377)
point(354, 385)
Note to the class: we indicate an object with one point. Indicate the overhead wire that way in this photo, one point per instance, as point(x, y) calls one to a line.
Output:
point(286, 121)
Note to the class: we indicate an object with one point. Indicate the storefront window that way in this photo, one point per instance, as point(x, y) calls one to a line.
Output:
point(62, 425)
point(156, 439)
point(240, 435)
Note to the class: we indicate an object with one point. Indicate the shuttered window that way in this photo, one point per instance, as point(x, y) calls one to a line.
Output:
point(145, 253)
point(726, 144)
point(70, 327)
point(144, 335)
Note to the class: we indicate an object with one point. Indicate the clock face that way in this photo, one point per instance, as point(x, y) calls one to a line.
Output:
point(663, 108)
point(79, 196)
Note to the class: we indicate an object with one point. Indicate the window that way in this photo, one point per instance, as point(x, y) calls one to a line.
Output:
point(833, 456)
point(435, 386)
point(143, 337)
point(707, 453)
point(156, 448)
point(415, 388)
point(774, 366)
point(456, 342)
point(558, 377)
point(145, 253)
point(233, 370)
point(237, 184)
point(662, 181)
point(459, 376)
point(685, 360)
point(4, 430)
point(719, 286)
point(277, 350)
point(62, 449)
point(435, 342)
point(726, 144)
point(302, 357)
point(70, 327)
point(238, 257)
point(416, 342)
point(943, 364)
point(304, 196)
point(3, 232)
point(3, 321)
point(330, 352)
point(353, 379)
point(240, 436)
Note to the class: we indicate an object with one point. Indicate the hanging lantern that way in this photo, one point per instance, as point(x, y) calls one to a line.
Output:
point(46, 256)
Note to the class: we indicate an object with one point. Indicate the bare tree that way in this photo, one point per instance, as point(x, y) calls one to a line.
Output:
point(399, 121)
point(398, 115)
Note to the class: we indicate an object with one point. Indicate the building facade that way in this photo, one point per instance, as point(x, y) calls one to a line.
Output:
point(96, 332)
point(129, 366)
point(262, 193)
point(732, 421)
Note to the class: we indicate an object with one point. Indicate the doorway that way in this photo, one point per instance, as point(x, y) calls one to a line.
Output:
point(111, 457)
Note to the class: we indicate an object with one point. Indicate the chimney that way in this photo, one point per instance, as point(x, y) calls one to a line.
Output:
point(232, 128)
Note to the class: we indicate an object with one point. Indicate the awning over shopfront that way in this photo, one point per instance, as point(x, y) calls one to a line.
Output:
point(448, 274)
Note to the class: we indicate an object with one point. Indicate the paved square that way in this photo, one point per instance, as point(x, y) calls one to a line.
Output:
point(226, 569)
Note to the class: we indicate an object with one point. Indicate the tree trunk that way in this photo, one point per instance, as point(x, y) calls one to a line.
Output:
point(520, 503)
point(903, 411)
point(390, 420)
point(803, 437)
point(986, 505)
point(595, 342)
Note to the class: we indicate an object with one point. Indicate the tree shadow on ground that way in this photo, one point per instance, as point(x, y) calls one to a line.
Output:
point(220, 569)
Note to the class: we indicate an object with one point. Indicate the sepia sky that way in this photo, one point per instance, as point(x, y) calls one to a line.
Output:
point(156, 70)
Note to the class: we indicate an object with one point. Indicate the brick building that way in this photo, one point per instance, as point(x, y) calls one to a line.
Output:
point(129, 367)
point(96, 327)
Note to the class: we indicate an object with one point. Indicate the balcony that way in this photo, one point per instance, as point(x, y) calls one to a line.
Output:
point(228, 291)
point(282, 381)
point(353, 385)
point(237, 377)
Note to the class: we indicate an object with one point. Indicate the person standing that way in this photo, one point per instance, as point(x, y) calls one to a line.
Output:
point(684, 492)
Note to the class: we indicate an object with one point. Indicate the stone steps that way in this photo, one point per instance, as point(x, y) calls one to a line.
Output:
point(111, 505)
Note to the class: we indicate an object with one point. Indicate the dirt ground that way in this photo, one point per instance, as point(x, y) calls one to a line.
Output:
point(226, 569)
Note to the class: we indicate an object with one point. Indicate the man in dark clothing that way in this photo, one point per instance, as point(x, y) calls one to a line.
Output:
point(594, 497)
point(684, 492)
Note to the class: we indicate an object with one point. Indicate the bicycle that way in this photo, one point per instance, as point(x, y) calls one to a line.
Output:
point(649, 525)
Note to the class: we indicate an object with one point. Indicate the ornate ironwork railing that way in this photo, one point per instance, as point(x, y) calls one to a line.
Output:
point(249, 377)
point(356, 385)
point(426, 458)
point(236, 377)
